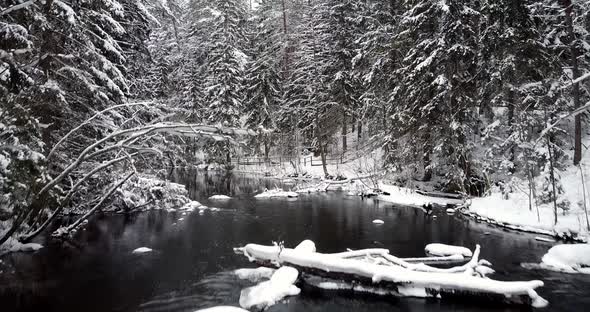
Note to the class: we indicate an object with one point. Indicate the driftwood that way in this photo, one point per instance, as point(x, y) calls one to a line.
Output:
point(378, 272)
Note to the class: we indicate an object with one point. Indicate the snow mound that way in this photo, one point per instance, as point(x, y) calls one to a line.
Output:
point(270, 292)
point(219, 197)
point(141, 250)
point(306, 245)
point(222, 309)
point(254, 275)
point(442, 250)
point(276, 193)
point(573, 258)
point(378, 221)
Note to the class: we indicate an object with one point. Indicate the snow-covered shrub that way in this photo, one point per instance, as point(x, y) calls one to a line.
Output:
point(148, 192)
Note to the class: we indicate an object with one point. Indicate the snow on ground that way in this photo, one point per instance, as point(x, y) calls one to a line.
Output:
point(514, 212)
point(267, 293)
point(443, 250)
point(276, 193)
point(378, 221)
point(219, 197)
point(254, 275)
point(573, 258)
point(222, 309)
point(141, 250)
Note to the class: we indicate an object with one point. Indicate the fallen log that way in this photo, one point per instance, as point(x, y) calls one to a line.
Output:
point(395, 276)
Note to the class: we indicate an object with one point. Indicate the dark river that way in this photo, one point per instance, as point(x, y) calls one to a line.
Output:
point(192, 264)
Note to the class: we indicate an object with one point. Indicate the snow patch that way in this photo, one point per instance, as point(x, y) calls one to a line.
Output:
point(378, 221)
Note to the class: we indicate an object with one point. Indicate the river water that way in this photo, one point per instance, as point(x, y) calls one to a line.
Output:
point(192, 263)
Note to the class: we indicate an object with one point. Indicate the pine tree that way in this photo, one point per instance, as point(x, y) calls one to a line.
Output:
point(263, 79)
point(224, 92)
point(436, 93)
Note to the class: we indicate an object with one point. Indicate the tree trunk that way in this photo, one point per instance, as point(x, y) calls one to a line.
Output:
point(344, 130)
point(323, 156)
point(426, 157)
point(568, 5)
point(359, 132)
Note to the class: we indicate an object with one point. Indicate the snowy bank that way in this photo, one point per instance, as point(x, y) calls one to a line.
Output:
point(437, 249)
point(266, 294)
point(13, 245)
point(514, 213)
point(276, 193)
point(573, 258)
point(408, 197)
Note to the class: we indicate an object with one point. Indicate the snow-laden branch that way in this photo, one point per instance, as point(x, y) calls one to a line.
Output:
point(71, 192)
point(87, 121)
point(99, 204)
point(18, 7)
point(574, 113)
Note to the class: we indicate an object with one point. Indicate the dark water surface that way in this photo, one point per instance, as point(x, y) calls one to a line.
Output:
point(192, 264)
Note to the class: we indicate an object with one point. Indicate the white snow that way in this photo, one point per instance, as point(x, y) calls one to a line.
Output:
point(378, 221)
point(276, 193)
point(513, 212)
point(222, 309)
point(219, 197)
point(255, 275)
point(450, 210)
point(437, 249)
point(573, 258)
point(270, 292)
point(141, 250)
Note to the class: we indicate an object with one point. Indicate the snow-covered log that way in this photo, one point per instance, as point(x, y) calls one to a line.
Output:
point(437, 249)
point(399, 277)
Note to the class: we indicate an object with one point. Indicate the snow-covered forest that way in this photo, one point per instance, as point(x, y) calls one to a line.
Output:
point(467, 96)
point(436, 122)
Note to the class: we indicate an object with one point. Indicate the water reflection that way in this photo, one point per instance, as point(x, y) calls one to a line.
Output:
point(192, 261)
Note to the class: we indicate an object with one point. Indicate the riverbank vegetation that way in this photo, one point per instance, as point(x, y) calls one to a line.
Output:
point(475, 97)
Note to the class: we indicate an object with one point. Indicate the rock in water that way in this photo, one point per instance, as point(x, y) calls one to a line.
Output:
point(265, 294)
point(141, 250)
